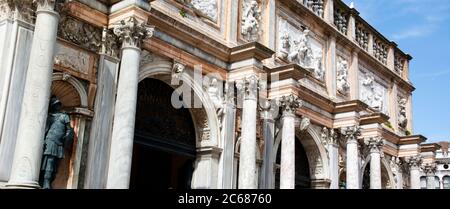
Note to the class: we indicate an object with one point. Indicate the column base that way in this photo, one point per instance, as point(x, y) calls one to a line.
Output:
point(30, 185)
point(320, 184)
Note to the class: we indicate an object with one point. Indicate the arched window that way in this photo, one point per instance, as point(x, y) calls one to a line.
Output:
point(437, 182)
point(446, 180)
point(423, 182)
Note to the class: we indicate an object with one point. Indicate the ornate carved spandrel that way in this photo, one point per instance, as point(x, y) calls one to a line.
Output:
point(80, 33)
point(250, 20)
point(132, 32)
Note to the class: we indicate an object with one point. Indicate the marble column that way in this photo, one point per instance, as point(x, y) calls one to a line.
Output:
point(289, 105)
point(350, 135)
point(430, 170)
point(248, 87)
point(28, 152)
point(414, 165)
point(131, 33)
point(269, 110)
point(375, 145)
point(329, 139)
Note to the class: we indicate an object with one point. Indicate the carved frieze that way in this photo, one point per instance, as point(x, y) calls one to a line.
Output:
point(80, 33)
point(16, 9)
point(250, 20)
point(298, 46)
point(73, 59)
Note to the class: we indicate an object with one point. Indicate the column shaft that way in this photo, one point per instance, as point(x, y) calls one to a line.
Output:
point(333, 151)
point(352, 163)
point(119, 169)
point(247, 157)
point(415, 178)
point(430, 182)
point(28, 153)
point(375, 170)
point(287, 172)
point(267, 171)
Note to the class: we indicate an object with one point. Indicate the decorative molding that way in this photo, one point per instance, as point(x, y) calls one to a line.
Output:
point(250, 20)
point(131, 32)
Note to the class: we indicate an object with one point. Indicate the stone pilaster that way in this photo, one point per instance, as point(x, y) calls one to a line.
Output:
point(375, 144)
point(350, 135)
point(289, 105)
point(248, 87)
point(131, 33)
point(414, 166)
point(28, 153)
point(330, 141)
point(269, 112)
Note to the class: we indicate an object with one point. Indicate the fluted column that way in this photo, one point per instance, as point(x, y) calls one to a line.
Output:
point(289, 105)
point(375, 145)
point(430, 170)
point(350, 135)
point(414, 165)
point(247, 158)
point(131, 33)
point(27, 156)
point(269, 110)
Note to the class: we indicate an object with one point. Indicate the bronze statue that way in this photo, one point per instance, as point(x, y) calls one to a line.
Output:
point(58, 132)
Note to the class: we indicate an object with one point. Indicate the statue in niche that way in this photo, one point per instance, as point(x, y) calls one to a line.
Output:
point(402, 120)
point(377, 100)
point(58, 133)
point(250, 21)
point(285, 46)
point(342, 73)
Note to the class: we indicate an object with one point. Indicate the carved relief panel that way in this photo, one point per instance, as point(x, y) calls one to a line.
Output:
point(373, 91)
point(297, 44)
point(250, 19)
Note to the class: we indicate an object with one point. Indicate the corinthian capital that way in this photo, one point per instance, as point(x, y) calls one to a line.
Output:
point(414, 161)
point(374, 144)
point(131, 32)
point(351, 133)
point(45, 4)
point(248, 87)
point(269, 109)
point(289, 104)
point(429, 169)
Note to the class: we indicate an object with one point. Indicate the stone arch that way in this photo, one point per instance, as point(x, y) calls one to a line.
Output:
point(206, 120)
point(384, 167)
point(76, 84)
point(316, 154)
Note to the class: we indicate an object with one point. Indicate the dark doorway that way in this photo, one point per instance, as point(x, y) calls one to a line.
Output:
point(164, 144)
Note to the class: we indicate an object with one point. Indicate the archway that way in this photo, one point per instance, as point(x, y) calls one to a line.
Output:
point(387, 178)
point(302, 169)
point(164, 147)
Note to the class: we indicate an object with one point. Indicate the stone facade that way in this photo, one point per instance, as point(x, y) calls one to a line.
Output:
point(266, 94)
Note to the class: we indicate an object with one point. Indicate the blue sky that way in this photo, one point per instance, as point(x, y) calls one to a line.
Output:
point(422, 29)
